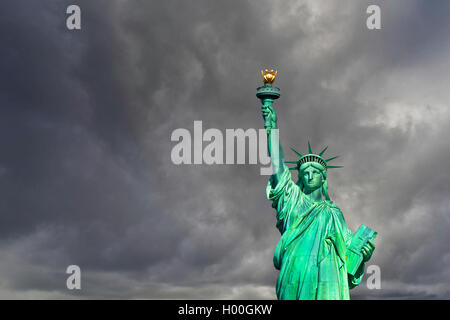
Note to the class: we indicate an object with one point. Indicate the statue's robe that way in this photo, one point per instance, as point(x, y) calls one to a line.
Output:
point(311, 252)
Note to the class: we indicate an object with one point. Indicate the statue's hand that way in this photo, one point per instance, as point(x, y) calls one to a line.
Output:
point(269, 115)
point(367, 250)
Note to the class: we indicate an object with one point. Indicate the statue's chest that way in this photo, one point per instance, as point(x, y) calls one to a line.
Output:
point(310, 217)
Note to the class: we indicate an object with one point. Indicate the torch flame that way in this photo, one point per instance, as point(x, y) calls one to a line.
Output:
point(269, 75)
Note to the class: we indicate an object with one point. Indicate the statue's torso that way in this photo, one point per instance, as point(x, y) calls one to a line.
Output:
point(307, 254)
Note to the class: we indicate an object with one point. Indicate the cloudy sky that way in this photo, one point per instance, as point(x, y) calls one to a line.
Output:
point(86, 117)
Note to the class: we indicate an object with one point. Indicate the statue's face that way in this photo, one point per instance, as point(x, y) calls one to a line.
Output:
point(312, 178)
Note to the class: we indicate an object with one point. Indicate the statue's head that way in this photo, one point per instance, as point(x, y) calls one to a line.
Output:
point(312, 171)
point(311, 176)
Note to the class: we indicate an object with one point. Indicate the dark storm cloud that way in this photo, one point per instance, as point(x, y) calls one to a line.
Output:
point(86, 175)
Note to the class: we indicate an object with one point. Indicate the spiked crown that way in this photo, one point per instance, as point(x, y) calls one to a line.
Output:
point(312, 157)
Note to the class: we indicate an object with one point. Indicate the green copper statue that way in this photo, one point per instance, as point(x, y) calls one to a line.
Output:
point(317, 255)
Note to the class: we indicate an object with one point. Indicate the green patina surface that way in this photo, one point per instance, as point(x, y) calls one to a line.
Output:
point(312, 253)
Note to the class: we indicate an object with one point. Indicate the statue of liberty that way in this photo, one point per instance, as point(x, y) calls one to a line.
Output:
point(317, 255)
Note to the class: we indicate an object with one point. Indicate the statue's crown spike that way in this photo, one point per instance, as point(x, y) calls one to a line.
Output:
point(312, 157)
point(322, 152)
point(298, 153)
point(327, 160)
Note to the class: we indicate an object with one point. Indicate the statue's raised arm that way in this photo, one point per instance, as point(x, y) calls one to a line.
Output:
point(268, 94)
point(273, 143)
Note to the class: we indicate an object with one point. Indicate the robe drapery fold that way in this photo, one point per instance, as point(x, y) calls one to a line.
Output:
point(311, 251)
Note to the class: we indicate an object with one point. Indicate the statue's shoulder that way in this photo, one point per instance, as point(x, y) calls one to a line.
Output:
point(331, 205)
point(334, 211)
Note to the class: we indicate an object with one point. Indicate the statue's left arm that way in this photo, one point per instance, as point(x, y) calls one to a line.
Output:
point(366, 251)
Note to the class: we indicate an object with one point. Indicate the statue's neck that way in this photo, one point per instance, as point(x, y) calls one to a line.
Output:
point(314, 195)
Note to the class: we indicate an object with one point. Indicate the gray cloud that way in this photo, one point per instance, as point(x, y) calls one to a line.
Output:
point(86, 120)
